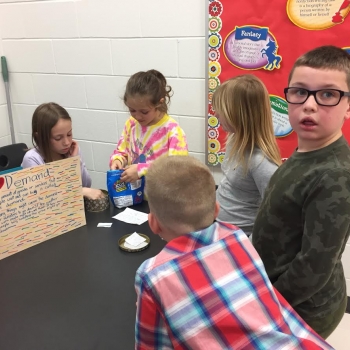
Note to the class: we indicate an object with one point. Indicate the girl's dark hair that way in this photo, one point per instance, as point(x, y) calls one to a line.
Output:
point(152, 84)
point(45, 117)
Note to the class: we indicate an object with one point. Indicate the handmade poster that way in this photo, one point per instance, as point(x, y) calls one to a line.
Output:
point(265, 38)
point(40, 203)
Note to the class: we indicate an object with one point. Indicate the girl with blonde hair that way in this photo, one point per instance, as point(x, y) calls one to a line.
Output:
point(242, 106)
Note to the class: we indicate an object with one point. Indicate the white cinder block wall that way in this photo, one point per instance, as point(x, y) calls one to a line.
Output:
point(5, 137)
point(80, 55)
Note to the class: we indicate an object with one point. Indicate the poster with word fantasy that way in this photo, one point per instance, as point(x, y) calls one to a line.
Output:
point(40, 203)
point(265, 38)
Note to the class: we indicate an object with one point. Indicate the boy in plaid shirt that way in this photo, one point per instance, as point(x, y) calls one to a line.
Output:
point(207, 289)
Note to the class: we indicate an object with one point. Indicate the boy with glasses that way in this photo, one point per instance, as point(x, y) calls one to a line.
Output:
point(304, 220)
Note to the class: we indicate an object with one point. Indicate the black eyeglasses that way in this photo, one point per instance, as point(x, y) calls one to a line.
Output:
point(323, 97)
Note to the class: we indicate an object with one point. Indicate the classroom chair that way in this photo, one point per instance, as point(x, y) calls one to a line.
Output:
point(11, 156)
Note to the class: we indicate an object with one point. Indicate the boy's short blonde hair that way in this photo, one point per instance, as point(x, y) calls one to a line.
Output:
point(325, 57)
point(181, 193)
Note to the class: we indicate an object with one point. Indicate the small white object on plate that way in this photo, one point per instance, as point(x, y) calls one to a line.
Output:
point(132, 247)
point(135, 240)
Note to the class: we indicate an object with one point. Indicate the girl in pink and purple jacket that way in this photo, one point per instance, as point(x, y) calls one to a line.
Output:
point(150, 132)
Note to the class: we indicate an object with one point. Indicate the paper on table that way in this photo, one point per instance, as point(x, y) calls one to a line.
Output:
point(131, 216)
point(135, 239)
point(104, 224)
point(48, 203)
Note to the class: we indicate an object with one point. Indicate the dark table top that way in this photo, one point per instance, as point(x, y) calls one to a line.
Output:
point(75, 291)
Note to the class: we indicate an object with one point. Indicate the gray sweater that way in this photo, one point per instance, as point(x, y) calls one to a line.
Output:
point(240, 195)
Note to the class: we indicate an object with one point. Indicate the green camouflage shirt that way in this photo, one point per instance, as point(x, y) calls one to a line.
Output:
point(302, 228)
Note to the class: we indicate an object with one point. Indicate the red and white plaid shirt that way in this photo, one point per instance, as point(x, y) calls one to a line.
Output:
point(209, 290)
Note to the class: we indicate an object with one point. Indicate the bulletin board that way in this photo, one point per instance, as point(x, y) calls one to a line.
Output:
point(40, 203)
point(265, 38)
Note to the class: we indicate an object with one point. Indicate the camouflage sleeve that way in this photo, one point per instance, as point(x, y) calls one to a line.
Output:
point(326, 217)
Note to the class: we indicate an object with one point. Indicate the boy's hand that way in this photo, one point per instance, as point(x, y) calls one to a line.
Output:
point(74, 149)
point(130, 174)
point(118, 164)
point(92, 193)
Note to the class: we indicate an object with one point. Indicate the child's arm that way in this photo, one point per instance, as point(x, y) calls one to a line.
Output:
point(119, 158)
point(261, 171)
point(85, 176)
point(326, 230)
point(92, 193)
point(31, 159)
point(178, 143)
point(150, 330)
point(176, 146)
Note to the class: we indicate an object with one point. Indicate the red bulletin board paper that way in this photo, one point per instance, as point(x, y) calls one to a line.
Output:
point(265, 38)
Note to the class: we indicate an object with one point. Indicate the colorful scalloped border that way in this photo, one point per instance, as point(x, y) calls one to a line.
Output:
point(215, 9)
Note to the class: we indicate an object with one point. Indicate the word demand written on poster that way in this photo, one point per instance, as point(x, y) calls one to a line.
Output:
point(37, 204)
